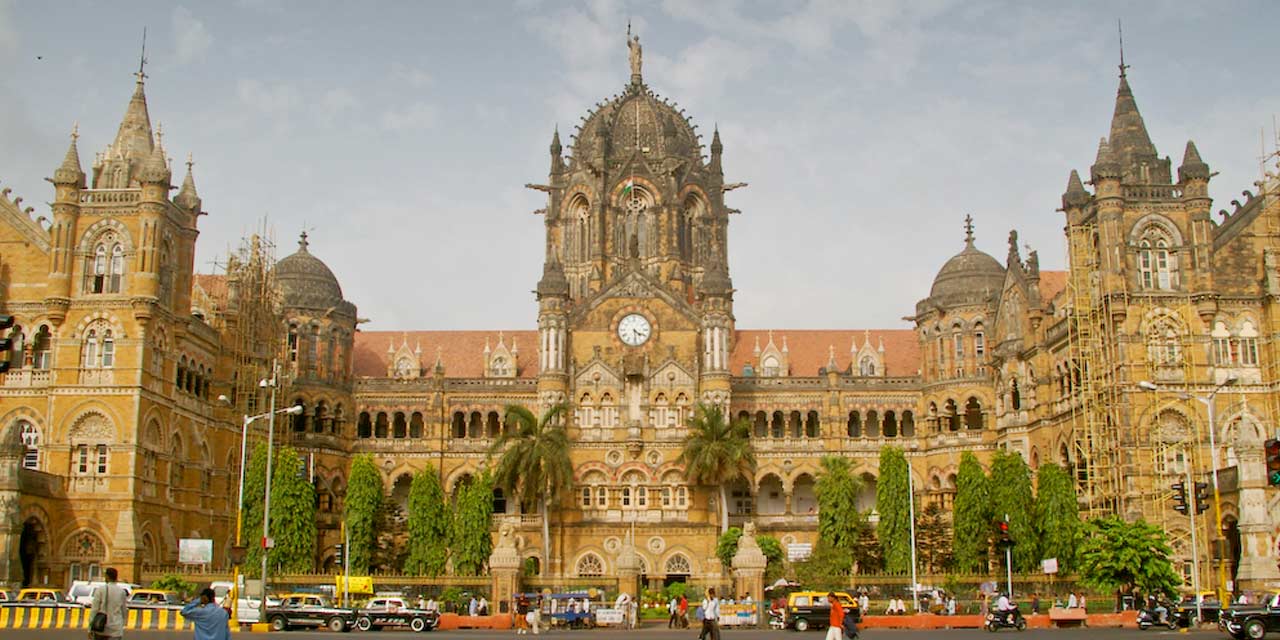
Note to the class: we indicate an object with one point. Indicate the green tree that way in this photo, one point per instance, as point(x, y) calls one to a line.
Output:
point(839, 520)
point(293, 514)
point(361, 511)
point(868, 556)
point(716, 452)
point(1011, 495)
point(175, 582)
point(1116, 554)
point(971, 515)
point(534, 464)
point(255, 490)
point(933, 539)
point(825, 569)
point(1057, 516)
point(772, 550)
point(428, 526)
point(727, 546)
point(894, 528)
point(391, 540)
point(473, 515)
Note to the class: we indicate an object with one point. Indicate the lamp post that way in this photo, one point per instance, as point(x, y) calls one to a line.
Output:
point(266, 503)
point(911, 508)
point(1208, 402)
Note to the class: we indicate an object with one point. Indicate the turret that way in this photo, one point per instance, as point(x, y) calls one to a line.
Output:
point(1075, 196)
point(1193, 169)
point(557, 154)
point(155, 178)
point(716, 150)
point(68, 180)
point(1134, 153)
point(187, 197)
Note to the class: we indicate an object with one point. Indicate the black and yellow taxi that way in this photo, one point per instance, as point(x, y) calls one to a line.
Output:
point(810, 610)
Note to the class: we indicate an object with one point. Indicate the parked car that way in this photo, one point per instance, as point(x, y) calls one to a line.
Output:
point(1252, 621)
point(809, 609)
point(81, 591)
point(6, 595)
point(154, 599)
point(41, 597)
point(1210, 608)
point(393, 612)
point(308, 610)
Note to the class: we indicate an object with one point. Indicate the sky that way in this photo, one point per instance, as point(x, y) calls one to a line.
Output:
point(400, 134)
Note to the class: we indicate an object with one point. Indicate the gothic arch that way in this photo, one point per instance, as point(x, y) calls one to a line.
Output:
point(97, 229)
point(590, 563)
point(1155, 222)
point(117, 329)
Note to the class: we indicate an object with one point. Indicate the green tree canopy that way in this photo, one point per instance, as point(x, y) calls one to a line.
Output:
point(772, 550)
point(255, 490)
point(473, 515)
point(428, 525)
point(1057, 516)
point(1011, 495)
point(894, 528)
point(361, 511)
point(293, 514)
point(1116, 554)
point(534, 464)
point(716, 452)
point(839, 520)
point(825, 569)
point(971, 515)
point(727, 546)
point(933, 539)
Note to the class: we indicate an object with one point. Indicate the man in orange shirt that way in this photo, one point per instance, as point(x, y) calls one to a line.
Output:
point(836, 629)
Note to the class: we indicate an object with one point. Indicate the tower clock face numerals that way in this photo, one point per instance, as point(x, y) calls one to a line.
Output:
point(634, 330)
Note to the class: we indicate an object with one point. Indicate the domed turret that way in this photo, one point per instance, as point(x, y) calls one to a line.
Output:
point(306, 282)
point(969, 277)
point(637, 121)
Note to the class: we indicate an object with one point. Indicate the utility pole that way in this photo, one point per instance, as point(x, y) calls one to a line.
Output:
point(273, 382)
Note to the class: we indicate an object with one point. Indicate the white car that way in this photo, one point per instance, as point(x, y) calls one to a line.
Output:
point(81, 591)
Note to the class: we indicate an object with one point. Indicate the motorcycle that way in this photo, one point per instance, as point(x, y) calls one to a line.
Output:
point(1011, 619)
point(1148, 618)
point(776, 621)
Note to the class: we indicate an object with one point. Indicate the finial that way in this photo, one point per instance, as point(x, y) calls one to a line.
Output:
point(190, 162)
point(1120, 30)
point(302, 241)
point(75, 131)
point(968, 229)
point(159, 134)
point(142, 59)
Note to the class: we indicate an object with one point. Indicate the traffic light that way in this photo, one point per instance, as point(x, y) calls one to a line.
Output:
point(1273, 461)
point(6, 321)
point(1002, 534)
point(1202, 497)
point(341, 548)
point(1179, 497)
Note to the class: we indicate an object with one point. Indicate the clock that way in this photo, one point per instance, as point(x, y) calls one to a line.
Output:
point(634, 330)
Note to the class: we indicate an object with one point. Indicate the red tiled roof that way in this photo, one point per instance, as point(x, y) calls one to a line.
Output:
point(462, 352)
point(1051, 284)
point(809, 349)
point(215, 286)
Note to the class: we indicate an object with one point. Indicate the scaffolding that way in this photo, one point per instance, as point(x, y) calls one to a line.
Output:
point(1096, 360)
point(252, 325)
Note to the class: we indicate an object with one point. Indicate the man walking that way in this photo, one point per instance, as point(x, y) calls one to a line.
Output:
point(109, 599)
point(209, 619)
point(710, 616)
point(835, 630)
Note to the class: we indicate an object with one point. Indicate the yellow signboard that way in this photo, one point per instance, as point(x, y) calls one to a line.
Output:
point(356, 584)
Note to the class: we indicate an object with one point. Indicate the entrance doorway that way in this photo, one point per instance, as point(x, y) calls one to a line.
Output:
point(29, 544)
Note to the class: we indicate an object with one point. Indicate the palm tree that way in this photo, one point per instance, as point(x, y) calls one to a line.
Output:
point(534, 461)
point(716, 452)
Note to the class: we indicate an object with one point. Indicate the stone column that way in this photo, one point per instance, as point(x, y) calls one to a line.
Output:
point(748, 570)
point(628, 566)
point(1257, 571)
point(504, 568)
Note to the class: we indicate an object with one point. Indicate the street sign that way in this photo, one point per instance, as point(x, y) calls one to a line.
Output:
point(268, 543)
point(798, 551)
point(1050, 565)
point(237, 554)
point(195, 551)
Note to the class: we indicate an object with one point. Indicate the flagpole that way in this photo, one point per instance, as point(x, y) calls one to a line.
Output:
point(911, 505)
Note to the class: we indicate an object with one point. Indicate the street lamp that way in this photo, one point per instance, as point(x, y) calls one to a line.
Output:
point(273, 383)
point(1208, 402)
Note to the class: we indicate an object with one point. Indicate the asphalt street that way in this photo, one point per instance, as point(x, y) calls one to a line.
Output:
point(661, 634)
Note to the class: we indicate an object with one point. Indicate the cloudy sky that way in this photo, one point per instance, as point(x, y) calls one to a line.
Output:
point(401, 133)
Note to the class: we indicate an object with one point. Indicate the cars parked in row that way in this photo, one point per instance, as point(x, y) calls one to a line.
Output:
point(308, 610)
point(394, 612)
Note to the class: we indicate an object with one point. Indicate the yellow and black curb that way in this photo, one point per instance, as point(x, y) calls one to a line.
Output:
point(73, 618)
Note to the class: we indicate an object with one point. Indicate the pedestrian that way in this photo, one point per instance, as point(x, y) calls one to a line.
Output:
point(535, 616)
point(951, 606)
point(210, 620)
point(1082, 603)
point(682, 612)
point(710, 616)
point(111, 601)
point(983, 605)
point(484, 606)
point(422, 602)
point(1035, 603)
point(864, 603)
point(1072, 602)
point(522, 615)
point(835, 628)
point(672, 605)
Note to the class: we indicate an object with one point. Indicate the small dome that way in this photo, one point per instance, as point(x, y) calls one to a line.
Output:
point(637, 120)
point(970, 276)
point(306, 282)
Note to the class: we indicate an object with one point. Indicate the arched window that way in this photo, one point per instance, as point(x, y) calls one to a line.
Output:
point(867, 366)
point(380, 425)
point(89, 350)
point(1157, 264)
point(634, 494)
point(979, 343)
point(973, 418)
point(42, 348)
point(415, 425)
point(30, 435)
point(104, 269)
point(399, 428)
point(762, 424)
point(890, 426)
point(957, 346)
point(175, 466)
point(770, 368)
point(321, 419)
point(590, 566)
point(1248, 341)
point(459, 425)
point(873, 424)
point(1015, 395)
point(854, 426)
point(1163, 347)
point(299, 420)
point(778, 428)
point(812, 426)
point(291, 342)
point(908, 424)
point(17, 346)
point(678, 565)
point(166, 273)
point(952, 415)
point(364, 426)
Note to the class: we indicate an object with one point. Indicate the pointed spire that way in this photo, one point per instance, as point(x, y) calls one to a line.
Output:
point(156, 168)
point(756, 351)
point(69, 172)
point(831, 358)
point(1014, 257)
point(784, 345)
point(134, 138)
point(1105, 165)
point(439, 367)
point(968, 230)
point(717, 149)
point(1130, 142)
point(1075, 195)
point(187, 196)
point(302, 242)
point(1193, 168)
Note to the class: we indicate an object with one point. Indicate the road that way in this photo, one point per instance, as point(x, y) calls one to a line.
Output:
point(658, 634)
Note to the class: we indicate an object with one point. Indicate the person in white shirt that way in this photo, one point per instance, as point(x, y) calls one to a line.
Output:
point(864, 603)
point(710, 616)
point(112, 600)
point(1072, 602)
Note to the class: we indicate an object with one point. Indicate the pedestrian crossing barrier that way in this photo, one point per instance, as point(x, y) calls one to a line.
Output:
point(78, 618)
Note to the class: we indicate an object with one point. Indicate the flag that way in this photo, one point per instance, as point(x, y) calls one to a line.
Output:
point(626, 190)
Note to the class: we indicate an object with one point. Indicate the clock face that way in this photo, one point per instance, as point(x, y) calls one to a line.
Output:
point(634, 330)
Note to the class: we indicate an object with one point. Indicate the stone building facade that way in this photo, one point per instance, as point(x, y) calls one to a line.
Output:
point(115, 445)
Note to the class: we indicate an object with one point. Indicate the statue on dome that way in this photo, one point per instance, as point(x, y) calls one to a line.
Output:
point(634, 53)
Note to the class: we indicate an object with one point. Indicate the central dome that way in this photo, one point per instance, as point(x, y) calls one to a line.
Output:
point(306, 281)
point(969, 277)
point(637, 120)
